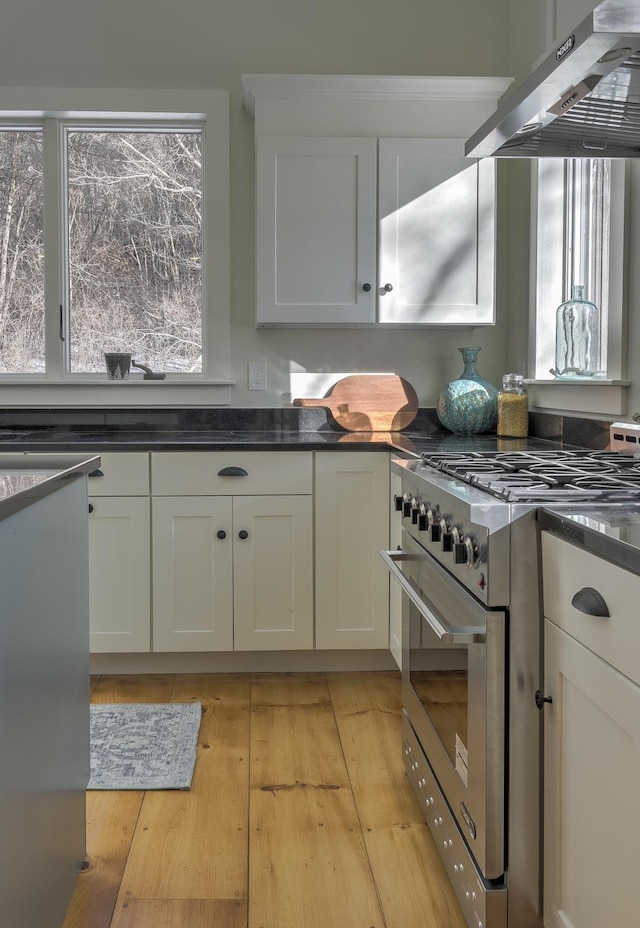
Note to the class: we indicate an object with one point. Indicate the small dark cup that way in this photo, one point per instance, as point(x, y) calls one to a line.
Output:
point(118, 365)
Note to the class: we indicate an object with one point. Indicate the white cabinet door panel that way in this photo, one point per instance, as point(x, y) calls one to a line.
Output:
point(315, 227)
point(192, 574)
point(119, 579)
point(592, 772)
point(273, 573)
point(437, 234)
point(352, 526)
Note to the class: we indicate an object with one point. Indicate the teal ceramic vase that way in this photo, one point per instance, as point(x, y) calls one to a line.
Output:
point(468, 405)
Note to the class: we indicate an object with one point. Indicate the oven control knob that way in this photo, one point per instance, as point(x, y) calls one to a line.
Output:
point(406, 505)
point(422, 518)
point(397, 502)
point(415, 509)
point(433, 523)
point(465, 551)
point(446, 536)
point(472, 551)
point(459, 553)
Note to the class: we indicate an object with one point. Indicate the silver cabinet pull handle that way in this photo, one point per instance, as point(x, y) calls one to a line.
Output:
point(590, 602)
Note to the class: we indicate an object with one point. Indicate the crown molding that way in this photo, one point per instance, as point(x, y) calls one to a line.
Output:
point(368, 87)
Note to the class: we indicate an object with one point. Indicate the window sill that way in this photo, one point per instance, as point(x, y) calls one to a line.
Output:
point(586, 396)
point(134, 392)
point(570, 382)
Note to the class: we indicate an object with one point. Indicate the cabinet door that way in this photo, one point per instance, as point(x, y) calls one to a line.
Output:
point(119, 574)
point(192, 574)
point(591, 776)
point(352, 526)
point(437, 234)
point(273, 573)
point(315, 230)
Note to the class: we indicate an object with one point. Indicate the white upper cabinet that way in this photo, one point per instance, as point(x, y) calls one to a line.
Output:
point(367, 211)
point(315, 228)
point(436, 216)
point(325, 205)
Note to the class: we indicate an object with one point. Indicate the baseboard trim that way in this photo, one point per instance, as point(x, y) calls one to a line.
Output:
point(243, 662)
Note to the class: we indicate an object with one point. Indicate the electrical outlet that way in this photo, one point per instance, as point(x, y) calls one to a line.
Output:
point(625, 436)
point(257, 375)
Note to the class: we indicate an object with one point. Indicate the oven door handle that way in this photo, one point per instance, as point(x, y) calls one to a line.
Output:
point(446, 633)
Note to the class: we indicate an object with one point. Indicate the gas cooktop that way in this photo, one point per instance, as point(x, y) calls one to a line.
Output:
point(545, 476)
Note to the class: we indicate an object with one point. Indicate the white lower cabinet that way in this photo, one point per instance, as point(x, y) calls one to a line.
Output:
point(232, 573)
point(119, 563)
point(192, 573)
point(120, 554)
point(352, 526)
point(591, 743)
point(272, 573)
point(239, 551)
point(592, 772)
point(233, 565)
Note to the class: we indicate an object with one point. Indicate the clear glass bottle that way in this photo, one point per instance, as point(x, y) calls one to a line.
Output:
point(513, 408)
point(577, 336)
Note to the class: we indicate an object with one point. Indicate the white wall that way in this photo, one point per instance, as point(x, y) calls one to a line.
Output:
point(210, 43)
point(535, 26)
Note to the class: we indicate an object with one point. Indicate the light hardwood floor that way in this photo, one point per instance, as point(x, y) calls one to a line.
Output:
point(300, 814)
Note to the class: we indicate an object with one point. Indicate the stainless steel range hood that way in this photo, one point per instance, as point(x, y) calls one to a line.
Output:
point(583, 101)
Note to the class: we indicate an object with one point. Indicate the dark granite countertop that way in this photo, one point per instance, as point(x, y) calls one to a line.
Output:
point(25, 478)
point(118, 438)
point(611, 532)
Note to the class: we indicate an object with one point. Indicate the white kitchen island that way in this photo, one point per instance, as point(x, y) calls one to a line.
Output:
point(44, 683)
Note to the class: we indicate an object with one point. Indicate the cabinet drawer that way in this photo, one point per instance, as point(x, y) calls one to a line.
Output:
point(123, 474)
point(256, 472)
point(566, 569)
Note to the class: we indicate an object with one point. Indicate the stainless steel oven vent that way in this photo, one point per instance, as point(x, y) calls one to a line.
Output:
point(582, 101)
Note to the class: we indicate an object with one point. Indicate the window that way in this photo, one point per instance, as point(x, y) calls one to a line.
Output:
point(114, 237)
point(579, 240)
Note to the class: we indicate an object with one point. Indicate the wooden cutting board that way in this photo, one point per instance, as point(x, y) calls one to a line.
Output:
point(369, 403)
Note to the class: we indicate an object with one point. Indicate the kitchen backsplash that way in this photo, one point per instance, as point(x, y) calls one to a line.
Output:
point(571, 430)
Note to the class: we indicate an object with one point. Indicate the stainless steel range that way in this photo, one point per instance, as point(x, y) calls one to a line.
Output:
point(472, 668)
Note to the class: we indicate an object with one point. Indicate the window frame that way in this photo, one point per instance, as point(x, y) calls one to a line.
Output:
point(57, 110)
point(550, 279)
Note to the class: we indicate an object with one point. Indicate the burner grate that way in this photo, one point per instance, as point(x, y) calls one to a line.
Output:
point(523, 476)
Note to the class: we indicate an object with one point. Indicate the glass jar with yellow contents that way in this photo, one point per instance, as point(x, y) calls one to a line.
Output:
point(513, 407)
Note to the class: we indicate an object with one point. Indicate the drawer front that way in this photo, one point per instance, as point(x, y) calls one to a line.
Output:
point(123, 474)
point(567, 569)
point(226, 473)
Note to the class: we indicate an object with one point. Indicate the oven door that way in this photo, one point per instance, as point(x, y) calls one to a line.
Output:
point(453, 691)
